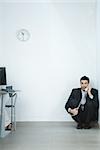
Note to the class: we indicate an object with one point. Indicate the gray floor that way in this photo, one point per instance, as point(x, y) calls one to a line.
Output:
point(51, 136)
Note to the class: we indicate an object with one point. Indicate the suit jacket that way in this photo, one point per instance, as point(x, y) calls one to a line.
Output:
point(75, 98)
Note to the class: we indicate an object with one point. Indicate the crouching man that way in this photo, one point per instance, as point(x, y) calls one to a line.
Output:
point(83, 104)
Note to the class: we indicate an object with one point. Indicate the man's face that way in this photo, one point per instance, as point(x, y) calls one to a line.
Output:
point(84, 84)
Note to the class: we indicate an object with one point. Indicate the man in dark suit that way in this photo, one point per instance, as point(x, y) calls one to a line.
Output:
point(83, 104)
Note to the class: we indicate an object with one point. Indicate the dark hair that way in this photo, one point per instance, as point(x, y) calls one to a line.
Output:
point(85, 78)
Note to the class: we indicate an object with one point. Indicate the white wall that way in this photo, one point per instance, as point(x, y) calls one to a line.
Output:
point(98, 45)
point(62, 48)
point(1, 29)
point(48, 1)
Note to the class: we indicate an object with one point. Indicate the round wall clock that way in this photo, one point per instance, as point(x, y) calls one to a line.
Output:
point(23, 35)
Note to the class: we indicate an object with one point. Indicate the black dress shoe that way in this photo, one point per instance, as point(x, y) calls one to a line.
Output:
point(87, 126)
point(79, 126)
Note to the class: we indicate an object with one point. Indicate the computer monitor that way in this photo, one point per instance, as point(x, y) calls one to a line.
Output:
point(3, 80)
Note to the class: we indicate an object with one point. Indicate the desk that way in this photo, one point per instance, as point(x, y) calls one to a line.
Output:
point(12, 96)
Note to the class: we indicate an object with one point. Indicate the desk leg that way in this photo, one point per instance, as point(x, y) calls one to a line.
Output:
point(2, 126)
point(13, 119)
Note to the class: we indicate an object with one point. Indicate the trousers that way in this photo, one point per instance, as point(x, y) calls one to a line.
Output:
point(86, 114)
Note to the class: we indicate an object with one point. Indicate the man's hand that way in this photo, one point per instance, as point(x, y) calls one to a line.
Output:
point(73, 112)
point(89, 91)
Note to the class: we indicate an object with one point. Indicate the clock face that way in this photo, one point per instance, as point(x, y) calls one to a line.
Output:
point(23, 35)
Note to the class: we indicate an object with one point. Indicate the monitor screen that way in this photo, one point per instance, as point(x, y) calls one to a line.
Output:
point(3, 80)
